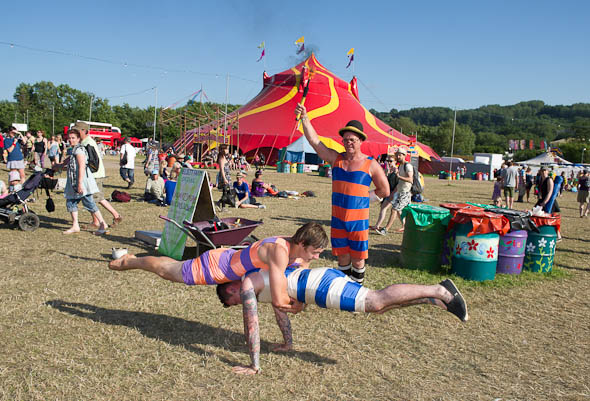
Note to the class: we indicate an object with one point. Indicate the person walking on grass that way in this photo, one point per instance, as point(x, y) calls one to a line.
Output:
point(583, 192)
point(510, 181)
point(80, 185)
point(127, 162)
point(403, 190)
point(331, 289)
point(387, 203)
point(99, 176)
point(352, 174)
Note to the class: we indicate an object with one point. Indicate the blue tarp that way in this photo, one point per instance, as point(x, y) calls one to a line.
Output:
point(301, 151)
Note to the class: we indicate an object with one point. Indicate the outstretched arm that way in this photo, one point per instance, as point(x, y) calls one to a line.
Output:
point(251, 328)
point(285, 326)
point(311, 135)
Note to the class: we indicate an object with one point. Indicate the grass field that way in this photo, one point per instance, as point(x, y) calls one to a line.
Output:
point(73, 330)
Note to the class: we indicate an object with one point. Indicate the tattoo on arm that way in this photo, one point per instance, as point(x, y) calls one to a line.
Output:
point(251, 329)
point(285, 326)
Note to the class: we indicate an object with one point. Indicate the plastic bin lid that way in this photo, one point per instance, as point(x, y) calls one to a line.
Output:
point(483, 206)
point(454, 207)
point(518, 219)
point(482, 222)
point(550, 220)
point(425, 215)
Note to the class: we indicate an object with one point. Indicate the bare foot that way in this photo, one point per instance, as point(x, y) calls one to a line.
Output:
point(119, 264)
point(71, 231)
point(245, 370)
point(90, 226)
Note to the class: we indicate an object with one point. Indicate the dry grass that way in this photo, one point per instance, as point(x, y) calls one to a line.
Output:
point(71, 329)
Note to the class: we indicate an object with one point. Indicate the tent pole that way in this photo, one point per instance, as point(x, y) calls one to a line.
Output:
point(452, 147)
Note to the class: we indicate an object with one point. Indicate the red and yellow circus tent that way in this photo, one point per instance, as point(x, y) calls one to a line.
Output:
point(268, 120)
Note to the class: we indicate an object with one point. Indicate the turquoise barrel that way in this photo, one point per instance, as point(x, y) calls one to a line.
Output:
point(424, 231)
point(511, 250)
point(286, 167)
point(449, 238)
point(300, 168)
point(540, 250)
point(279, 166)
point(322, 170)
point(474, 257)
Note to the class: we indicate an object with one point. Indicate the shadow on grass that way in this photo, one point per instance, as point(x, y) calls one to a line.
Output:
point(175, 331)
point(302, 220)
point(577, 239)
point(573, 251)
point(52, 222)
point(581, 269)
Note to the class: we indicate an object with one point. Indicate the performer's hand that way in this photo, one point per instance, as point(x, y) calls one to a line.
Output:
point(281, 347)
point(294, 307)
point(300, 111)
point(245, 370)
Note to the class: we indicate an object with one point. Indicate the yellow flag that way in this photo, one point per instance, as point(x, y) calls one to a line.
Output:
point(261, 46)
point(351, 51)
point(300, 40)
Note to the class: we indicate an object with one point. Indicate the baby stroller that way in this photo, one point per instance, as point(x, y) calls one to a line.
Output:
point(14, 208)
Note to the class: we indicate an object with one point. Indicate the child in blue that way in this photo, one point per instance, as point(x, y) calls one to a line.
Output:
point(243, 193)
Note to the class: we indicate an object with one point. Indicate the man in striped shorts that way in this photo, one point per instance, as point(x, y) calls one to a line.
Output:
point(331, 289)
point(352, 175)
point(223, 265)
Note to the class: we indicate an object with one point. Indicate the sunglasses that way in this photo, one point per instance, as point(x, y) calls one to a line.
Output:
point(389, 161)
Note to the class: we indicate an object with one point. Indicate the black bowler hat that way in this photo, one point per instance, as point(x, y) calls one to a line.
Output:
point(354, 126)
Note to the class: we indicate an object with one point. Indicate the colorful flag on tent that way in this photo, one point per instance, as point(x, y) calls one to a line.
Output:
point(350, 55)
point(542, 144)
point(298, 42)
point(522, 144)
point(195, 95)
point(261, 46)
point(510, 144)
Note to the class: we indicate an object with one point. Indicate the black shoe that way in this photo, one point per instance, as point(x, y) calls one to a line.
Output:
point(457, 306)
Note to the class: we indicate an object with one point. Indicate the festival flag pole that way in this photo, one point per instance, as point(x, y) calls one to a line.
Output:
point(350, 56)
point(452, 148)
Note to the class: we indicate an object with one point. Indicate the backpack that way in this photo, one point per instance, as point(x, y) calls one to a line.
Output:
point(416, 185)
point(120, 196)
point(93, 159)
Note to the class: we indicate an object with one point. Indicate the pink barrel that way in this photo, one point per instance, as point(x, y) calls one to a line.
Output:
point(511, 252)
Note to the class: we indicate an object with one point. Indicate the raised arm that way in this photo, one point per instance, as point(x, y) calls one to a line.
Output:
point(311, 135)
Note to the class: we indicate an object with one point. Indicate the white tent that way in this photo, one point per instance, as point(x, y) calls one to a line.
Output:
point(546, 159)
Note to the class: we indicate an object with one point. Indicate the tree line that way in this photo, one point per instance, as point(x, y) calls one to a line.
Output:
point(488, 129)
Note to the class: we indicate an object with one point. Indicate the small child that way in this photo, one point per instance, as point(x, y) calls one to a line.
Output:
point(3, 189)
point(497, 194)
point(14, 181)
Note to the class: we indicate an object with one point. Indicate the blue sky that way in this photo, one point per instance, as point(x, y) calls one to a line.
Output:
point(461, 54)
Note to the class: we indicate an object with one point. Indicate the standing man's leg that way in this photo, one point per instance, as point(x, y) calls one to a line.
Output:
point(131, 174)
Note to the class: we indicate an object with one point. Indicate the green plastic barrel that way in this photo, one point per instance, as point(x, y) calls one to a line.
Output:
point(300, 168)
point(279, 166)
point(424, 231)
point(322, 170)
point(474, 258)
point(540, 250)
point(286, 167)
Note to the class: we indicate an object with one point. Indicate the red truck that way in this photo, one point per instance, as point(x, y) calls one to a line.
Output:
point(107, 133)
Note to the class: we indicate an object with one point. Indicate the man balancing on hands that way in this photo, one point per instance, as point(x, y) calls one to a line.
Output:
point(352, 174)
point(222, 265)
point(331, 289)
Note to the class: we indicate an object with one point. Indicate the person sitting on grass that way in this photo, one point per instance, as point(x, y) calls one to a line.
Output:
point(331, 289)
point(260, 188)
point(223, 265)
point(243, 193)
point(154, 189)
